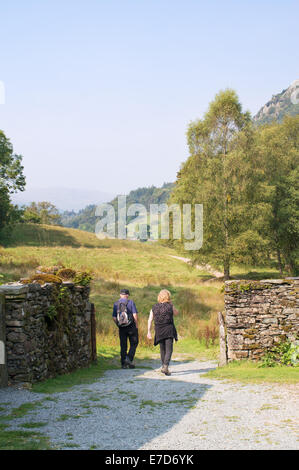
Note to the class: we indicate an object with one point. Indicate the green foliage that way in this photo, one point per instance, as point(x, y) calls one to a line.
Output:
point(85, 219)
point(219, 175)
point(11, 170)
point(286, 353)
point(247, 179)
point(41, 213)
point(82, 278)
point(31, 216)
point(52, 312)
point(276, 150)
point(11, 181)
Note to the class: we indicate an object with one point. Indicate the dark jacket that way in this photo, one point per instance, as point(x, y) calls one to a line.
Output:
point(164, 325)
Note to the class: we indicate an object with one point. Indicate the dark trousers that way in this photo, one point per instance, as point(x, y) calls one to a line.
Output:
point(126, 332)
point(166, 347)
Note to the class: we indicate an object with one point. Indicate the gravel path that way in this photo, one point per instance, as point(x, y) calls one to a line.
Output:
point(204, 267)
point(143, 409)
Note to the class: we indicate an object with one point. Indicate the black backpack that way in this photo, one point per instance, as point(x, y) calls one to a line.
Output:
point(124, 318)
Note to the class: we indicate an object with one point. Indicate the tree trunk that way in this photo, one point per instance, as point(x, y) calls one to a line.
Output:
point(278, 254)
point(226, 266)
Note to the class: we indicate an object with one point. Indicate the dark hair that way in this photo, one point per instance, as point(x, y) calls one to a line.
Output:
point(125, 291)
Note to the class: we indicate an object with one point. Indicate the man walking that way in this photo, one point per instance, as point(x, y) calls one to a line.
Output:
point(125, 316)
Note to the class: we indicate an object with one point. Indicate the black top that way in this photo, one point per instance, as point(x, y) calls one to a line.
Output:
point(163, 318)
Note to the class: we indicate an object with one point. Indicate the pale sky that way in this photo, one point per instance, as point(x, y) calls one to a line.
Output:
point(99, 93)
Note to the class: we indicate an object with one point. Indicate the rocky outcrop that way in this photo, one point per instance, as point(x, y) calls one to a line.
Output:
point(284, 103)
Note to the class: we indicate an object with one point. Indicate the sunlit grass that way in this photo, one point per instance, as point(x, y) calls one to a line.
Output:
point(247, 371)
point(144, 268)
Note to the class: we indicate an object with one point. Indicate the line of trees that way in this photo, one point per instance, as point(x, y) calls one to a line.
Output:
point(247, 178)
point(43, 212)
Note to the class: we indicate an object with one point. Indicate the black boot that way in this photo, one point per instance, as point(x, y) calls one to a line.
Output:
point(129, 363)
point(165, 369)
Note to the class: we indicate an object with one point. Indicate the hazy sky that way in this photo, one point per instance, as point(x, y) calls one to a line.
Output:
point(99, 93)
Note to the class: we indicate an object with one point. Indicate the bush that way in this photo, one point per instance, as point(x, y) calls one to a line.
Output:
point(286, 353)
point(82, 278)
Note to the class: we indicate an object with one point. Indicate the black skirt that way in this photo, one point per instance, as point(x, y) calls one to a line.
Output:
point(164, 331)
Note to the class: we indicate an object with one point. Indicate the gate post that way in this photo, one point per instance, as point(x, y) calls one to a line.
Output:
point(222, 341)
point(93, 334)
point(3, 362)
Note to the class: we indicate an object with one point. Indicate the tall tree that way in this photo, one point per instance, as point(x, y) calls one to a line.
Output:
point(277, 152)
point(218, 174)
point(11, 178)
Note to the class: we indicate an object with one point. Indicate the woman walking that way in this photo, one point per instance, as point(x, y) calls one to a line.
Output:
point(165, 332)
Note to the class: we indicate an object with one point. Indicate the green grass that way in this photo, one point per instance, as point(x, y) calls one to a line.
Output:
point(197, 349)
point(22, 440)
point(250, 372)
point(255, 273)
point(151, 403)
point(31, 245)
point(144, 268)
point(33, 425)
point(64, 417)
point(21, 411)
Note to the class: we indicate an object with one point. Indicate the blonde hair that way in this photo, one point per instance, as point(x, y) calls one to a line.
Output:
point(164, 296)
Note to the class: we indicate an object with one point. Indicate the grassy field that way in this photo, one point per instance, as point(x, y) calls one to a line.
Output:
point(144, 268)
point(250, 372)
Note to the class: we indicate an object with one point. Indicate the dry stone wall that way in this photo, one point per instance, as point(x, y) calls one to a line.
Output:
point(48, 330)
point(259, 315)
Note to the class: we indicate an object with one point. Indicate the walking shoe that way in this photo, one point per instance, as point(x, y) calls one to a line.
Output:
point(165, 370)
point(129, 363)
point(124, 366)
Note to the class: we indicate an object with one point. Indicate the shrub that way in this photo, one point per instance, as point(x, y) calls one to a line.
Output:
point(82, 278)
point(286, 353)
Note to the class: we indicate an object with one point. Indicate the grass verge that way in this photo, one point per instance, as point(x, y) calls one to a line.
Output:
point(251, 372)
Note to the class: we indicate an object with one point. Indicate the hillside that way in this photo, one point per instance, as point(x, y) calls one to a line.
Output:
point(144, 268)
point(284, 103)
point(86, 220)
point(30, 245)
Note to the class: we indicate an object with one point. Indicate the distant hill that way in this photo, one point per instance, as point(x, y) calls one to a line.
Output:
point(85, 219)
point(147, 196)
point(284, 103)
point(72, 199)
